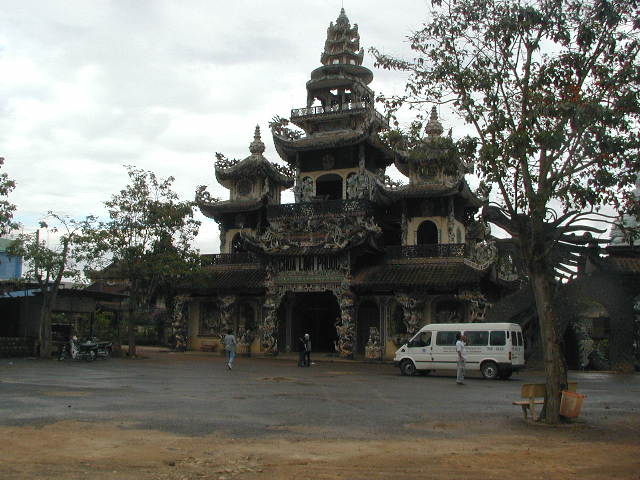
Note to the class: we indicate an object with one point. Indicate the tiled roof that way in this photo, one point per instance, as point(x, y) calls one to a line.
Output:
point(228, 206)
point(425, 275)
point(231, 277)
point(621, 265)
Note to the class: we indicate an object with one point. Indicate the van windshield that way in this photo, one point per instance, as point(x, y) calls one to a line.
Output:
point(423, 339)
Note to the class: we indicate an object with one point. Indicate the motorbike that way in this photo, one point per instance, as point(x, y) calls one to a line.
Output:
point(104, 350)
point(77, 350)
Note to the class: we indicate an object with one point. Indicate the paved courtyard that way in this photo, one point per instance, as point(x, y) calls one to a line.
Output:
point(270, 401)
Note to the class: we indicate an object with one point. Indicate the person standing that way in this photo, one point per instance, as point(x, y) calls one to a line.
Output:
point(302, 347)
point(307, 350)
point(460, 344)
point(230, 348)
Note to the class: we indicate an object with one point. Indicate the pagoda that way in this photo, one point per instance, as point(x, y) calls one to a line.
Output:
point(357, 261)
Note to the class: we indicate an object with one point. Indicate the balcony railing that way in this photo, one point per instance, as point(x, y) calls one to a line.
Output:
point(318, 208)
point(319, 110)
point(442, 250)
point(228, 259)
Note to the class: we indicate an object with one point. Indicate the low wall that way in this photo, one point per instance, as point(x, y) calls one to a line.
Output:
point(17, 347)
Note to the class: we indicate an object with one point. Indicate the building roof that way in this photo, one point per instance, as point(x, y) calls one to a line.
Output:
point(430, 190)
point(331, 139)
point(211, 210)
point(255, 165)
point(431, 275)
point(230, 277)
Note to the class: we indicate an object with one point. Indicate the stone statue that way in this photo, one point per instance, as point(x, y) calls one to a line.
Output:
point(373, 349)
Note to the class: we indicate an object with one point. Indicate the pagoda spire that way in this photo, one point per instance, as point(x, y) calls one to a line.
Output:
point(433, 127)
point(343, 43)
point(257, 146)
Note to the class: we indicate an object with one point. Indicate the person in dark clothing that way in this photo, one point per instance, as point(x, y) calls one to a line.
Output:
point(301, 351)
point(307, 350)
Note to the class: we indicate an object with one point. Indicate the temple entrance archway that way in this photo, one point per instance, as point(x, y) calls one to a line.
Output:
point(315, 313)
point(368, 316)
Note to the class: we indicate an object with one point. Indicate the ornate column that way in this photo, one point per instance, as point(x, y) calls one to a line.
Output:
point(269, 327)
point(451, 221)
point(345, 325)
point(179, 323)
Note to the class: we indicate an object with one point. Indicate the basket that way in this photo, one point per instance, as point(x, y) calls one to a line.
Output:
point(571, 403)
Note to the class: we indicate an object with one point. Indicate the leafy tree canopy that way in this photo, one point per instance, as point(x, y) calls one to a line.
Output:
point(6, 207)
point(550, 87)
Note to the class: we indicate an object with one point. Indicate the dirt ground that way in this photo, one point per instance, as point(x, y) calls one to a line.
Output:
point(74, 450)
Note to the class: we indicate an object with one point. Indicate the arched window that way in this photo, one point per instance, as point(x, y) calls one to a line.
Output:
point(427, 233)
point(329, 186)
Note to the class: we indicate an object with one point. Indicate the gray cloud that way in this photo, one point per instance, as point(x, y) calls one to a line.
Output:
point(90, 86)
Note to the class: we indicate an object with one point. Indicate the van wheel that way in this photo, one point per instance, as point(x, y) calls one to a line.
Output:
point(489, 370)
point(407, 368)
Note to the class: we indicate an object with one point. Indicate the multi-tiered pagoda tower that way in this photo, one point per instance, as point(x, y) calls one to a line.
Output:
point(357, 261)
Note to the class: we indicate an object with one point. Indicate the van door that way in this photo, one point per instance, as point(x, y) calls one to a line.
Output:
point(419, 348)
point(444, 352)
point(517, 342)
point(476, 348)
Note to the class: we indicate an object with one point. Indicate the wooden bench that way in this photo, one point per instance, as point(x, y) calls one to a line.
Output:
point(534, 393)
point(209, 345)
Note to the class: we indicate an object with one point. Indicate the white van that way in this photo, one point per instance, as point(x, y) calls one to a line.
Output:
point(495, 349)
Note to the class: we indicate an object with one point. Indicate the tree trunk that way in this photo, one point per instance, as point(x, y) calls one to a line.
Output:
point(48, 302)
point(131, 321)
point(554, 365)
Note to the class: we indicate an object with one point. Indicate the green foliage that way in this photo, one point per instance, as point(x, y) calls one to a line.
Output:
point(60, 255)
point(6, 208)
point(551, 88)
point(147, 239)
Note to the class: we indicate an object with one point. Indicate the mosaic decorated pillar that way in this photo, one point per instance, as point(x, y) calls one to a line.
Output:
point(345, 324)
point(179, 323)
point(269, 326)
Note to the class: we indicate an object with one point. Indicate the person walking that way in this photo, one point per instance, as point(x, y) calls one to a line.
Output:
point(460, 344)
point(230, 348)
point(307, 350)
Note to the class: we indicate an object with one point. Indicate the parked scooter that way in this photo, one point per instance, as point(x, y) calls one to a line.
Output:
point(77, 350)
point(105, 349)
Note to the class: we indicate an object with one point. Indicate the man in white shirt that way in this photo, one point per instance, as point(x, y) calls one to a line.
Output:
point(460, 344)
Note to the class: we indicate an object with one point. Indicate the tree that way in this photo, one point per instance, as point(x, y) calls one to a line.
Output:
point(550, 88)
point(6, 208)
point(147, 240)
point(48, 266)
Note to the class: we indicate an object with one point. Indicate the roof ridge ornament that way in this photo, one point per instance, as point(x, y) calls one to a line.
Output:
point(257, 146)
point(434, 127)
point(342, 18)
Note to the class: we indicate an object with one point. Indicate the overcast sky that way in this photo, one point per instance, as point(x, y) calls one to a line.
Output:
point(88, 86)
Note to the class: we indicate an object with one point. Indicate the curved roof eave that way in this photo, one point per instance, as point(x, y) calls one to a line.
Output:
point(250, 166)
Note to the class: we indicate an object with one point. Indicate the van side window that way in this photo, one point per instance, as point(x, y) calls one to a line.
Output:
point(498, 338)
point(446, 338)
point(480, 338)
point(520, 339)
point(422, 340)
